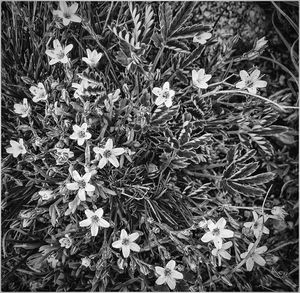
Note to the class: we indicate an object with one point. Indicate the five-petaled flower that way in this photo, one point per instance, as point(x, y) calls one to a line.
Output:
point(200, 79)
point(39, 92)
point(62, 155)
point(46, 194)
point(80, 133)
point(85, 261)
point(250, 82)
point(81, 184)
point(59, 54)
point(278, 213)
point(22, 109)
point(168, 275)
point(257, 225)
point(108, 154)
point(164, 95)
point(219, 253)
point(202, 38)
point(66, 241)
point(16, 148)
point(92, 58)
point(254, 257)
point(217, 232)
point(126, 243)
point(94, 220)
point(67, 13)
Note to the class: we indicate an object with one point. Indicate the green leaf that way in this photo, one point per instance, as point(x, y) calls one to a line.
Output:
point(182, 16)
point(245, 171)
point(245, 189)
point(158, 40)
point(189, 32)
point(165, 18)
point(196, 54)
point(256, 179)
point(178, 46)
point(162, 114)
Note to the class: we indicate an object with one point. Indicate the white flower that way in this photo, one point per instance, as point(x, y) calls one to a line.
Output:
point(95, 220)
point(51, 259)
point(92, 58)
point(255, 256)
point(22, 109)
point(16, 148)
point(62, 155)
point(217, 232)
point(222, 252)
point(67, 13)
point(66, 241)
point(202, 224)
point(82, 184)
point(80, 133)
point(202, 38)
point(257, 225)
point(127, 243)
point(108, 154)
point(46, 194)
point(86, 262)
point(39, 92)
point(164, 95)
point(81, 87)
point(260, 44)
point(59, 54)
point(278, 213)
point(200, 79)
point(168, 275)
point(250, 82)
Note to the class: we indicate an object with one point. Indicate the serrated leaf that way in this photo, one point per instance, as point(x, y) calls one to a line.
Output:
point(162, 114)
point(182, 16)
point(229, 170)
point(177, 46)
point(158, 40)
point(196, 54)
point(165, 18)
point(256, 179)
point(271, 130)
point(245, 189)
point(189, 32)
point(245, 171)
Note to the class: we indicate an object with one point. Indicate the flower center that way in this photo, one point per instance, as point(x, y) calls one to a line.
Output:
point(255, 226)
point(168, 272)
point(107, 153)
point(165, 95)
point(81, 134)
point(60, 54)
point(125, 241)
point(95, 219)
point(216, 232)
point(81, 184)
point(67, 15)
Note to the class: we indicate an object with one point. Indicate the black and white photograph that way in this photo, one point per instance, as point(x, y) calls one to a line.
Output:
point(149, 146)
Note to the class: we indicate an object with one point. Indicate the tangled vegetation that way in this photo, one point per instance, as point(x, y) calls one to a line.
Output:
point(141, 151)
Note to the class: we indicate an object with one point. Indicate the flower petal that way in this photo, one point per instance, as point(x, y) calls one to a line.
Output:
point(81, 194)
point(102, 162)
point(157, 91)
point(72, 186)
point(103, 223)
point(244, 75)
point(225, 254)
point(134, 247)
point(261, 249)
point(73, 8)
point(171, 265)
point(114, 161)
point(255, 74)
point(260, 83)
point(176, 275)
point(133, 236)
point(225, 233)
point(89, 213)
point(89, 187)
point(208, 236)
point(94, 229)
point(85, 223)
point(123, 234)
point(99, 212)
point(218, 242)
point(117, 244)
point(125, 250)
point(249, 264)
point(258, 259)
point(221, 223)
point(171, 283)
point(161, 280)
point(118, 151)
point(68, 48)
point(160, 270)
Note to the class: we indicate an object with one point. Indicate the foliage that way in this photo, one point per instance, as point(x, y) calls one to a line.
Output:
point(216, 152)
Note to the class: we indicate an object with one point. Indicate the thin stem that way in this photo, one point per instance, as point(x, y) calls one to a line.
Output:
point(157, 58)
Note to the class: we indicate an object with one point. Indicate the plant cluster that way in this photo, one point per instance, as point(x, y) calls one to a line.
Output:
point(141, 153)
